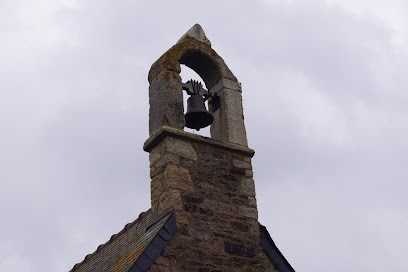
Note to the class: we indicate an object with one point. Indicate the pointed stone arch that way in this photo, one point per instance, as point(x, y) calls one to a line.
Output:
point(165, 89)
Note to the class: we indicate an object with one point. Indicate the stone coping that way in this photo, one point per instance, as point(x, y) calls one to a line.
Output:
point(169, 131)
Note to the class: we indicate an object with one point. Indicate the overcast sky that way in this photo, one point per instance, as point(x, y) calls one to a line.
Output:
point(325, 94)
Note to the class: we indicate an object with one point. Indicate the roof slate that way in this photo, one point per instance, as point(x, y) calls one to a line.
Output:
point(134, 248)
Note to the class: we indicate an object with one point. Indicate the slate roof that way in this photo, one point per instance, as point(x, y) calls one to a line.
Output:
point(274, 253)
point(134, 248)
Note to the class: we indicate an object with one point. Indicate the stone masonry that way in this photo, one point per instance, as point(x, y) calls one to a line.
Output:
point(207, 182)
point(210, 188)
point(166, 94)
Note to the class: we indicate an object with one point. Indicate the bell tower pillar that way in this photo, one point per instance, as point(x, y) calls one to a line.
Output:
point(206, 182)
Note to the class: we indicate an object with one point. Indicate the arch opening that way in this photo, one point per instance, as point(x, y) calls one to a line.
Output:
point(203, 65)
point(187, 74)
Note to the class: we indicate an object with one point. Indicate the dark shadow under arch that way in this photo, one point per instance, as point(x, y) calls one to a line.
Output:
point(203, 65)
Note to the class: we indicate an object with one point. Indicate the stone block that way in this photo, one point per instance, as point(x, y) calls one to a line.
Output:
point(193, 199)
point(233, 104)
point(252, 201)
point(162, 163)
point(247, 159)
point(232, 113)
point(236, 131)
point(247, 187)
point(240, 172)
point(200, 234)
point(249, 212)
point(166, 101)
point(242, 164)
point(157, 268)
point(171, 198)
point(239, 250)
point(254, 229)
point(197, 33)
point(205, 211)
point(154, 155)
point(238, 226)
point(179, 147)
point(183, 218)
point(226, 83)
point(249, 173)
point(219, 126)
point(156, 187)
point(218, 207)
point(190, 207)
point(178, 178)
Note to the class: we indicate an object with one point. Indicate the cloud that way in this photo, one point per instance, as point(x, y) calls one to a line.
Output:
point(325, 109)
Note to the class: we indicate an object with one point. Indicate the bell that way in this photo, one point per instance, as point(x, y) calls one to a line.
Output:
point(197, 115)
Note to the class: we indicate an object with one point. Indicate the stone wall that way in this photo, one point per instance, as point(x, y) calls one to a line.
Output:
point(209, 186)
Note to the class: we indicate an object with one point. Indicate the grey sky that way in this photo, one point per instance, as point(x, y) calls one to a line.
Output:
point(326, 110)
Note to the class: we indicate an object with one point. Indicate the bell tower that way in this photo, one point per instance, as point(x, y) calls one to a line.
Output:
point(206, 182)
point(165, 91)
point(204, 215)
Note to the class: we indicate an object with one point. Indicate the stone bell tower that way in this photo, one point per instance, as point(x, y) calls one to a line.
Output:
point(204, 213)
point(206, 182)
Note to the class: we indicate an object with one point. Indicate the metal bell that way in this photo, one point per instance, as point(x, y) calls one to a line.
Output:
point(197, 115)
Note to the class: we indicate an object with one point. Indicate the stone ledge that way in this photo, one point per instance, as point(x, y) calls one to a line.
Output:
point(164, 131)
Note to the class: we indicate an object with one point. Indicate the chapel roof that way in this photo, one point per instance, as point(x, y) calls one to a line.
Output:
point(134, 248)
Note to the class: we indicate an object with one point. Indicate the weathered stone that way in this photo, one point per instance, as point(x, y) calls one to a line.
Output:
point(227, 83)
point(190, 207)
point(230, 177)
point(183, 218)
point(193, 199)
point(239, 226)
point(159, 268)
point(234, 133)
point(254, 229)
point(178, 178)
point(247, 187)
point(200, 234)
point(162, 163)
point(239, 250)
point(155, 155)
point(249, 173)
point(218, 154)
point(156, 187)
point(234, 117)
point(240, 172)
point(205, 211)
point(170, 198)
point(247, 159)
point(219, 128)
point(242, 164)
point(154, 140)
point(220, 207)
point(249, 212)
point(197, 33)
point(166, 101)
point(252, 201)
point(179, 147)
point(237, 201)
